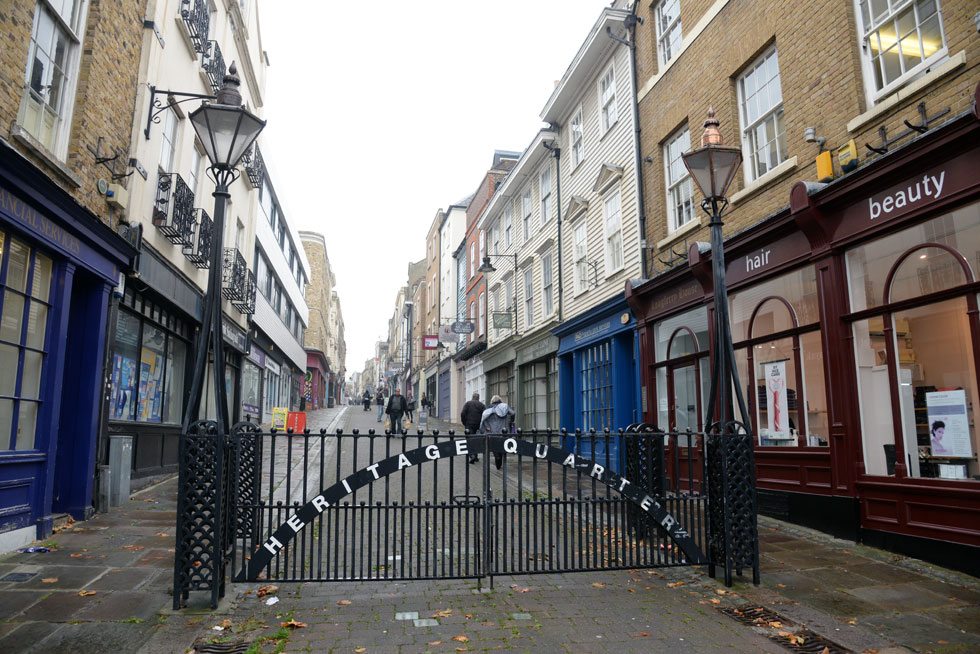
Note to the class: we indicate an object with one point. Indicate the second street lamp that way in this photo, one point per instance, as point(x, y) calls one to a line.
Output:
point(487, 267)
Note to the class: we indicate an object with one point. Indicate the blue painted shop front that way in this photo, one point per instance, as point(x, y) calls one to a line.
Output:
point(58, 266)
point(598, 381)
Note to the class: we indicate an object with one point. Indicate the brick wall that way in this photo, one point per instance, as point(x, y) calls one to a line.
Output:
point(318, 297)
point(820, 67)
point(104, 97)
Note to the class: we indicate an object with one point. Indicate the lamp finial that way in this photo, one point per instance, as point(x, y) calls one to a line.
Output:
point(711, 136)
point(228, 93)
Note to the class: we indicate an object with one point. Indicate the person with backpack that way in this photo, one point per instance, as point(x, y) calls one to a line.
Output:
point(496, 420)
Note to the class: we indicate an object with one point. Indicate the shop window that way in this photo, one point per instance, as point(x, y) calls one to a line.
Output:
point(148, 370)
point(24, 312)
point(915, 361)
point(535, 396)
point(499, 382)
point(52, 62)
point(899, 40)
point(595, 373)
point(779, 355)
point(681, 371)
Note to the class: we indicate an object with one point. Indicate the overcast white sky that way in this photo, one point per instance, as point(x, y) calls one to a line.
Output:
point(380, 113)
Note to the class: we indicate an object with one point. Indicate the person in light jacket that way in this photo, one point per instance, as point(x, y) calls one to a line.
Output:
point(496, 420)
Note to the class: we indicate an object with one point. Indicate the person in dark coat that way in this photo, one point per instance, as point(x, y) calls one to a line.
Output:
point(470, 416)
point(496, 420)
point(396, 409)
point(410, 406)
point(379, 399)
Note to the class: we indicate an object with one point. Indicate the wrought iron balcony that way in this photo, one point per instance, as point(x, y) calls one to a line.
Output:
point(173, 210)
point(198, 251)
point(197, 19)
point(246, 305)
point(213, 64)
point(234, 275)
point(254, 166)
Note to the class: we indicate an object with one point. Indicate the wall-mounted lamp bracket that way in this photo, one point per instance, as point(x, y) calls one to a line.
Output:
point(157, 106)
point(108, 162)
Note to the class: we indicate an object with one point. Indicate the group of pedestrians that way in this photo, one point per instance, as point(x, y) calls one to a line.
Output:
point(477, 418)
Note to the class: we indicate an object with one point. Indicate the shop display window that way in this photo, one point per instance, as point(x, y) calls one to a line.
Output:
point(595, 370)
point(25, 285)
point(148, 366)
point(915, 362)
point(536, 395)
point(779, 354)
point(251, 391)
point(682, 375)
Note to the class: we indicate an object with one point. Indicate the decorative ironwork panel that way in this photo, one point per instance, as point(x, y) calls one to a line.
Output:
point(173, 209)
point(645, 463)
point(234, 275)
point(246, 304)
point(246, 467)
point(199, 561)
point(197, 19)
point(254, 166)
point(733, 538)
point(198, 251)
point(213, 64)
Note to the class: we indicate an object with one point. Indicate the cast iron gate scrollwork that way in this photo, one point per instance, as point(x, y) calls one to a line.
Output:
point(330, 507)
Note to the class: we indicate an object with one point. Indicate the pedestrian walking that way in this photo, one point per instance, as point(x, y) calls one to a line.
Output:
point(470, 416)
point(396, 409)
point(410, 408)
point(379, 399)
point(495, 420)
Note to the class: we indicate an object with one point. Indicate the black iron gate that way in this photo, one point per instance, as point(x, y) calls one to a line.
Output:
point(335, 506)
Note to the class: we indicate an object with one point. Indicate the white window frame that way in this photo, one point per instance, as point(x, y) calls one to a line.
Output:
point(483, 244)
point(195, 170)
point(547, 285)
point(580, 254)
point(73, 28)
point(669, 34)
point(472, 259)
point(526, 213)
point(528, 297)
point(576, 137)
point(612, 222)
point(867, 34)
point(544, 192)
point(508, 220)
point(677, 180)
point(168, 139)
point(509, 293)
point(432, 292)
point(750, 148)
point(495, 236)
point(606, 89)
point(481, 309)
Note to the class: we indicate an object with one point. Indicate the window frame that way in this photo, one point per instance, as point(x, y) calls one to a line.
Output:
point(526, 213)
point(873, 94)
point(547, 285)
point(609, 234)
point(576, 139)
point(545, 197)
point(664, 58)
point(605, 122)
point(580, 257)
point(508, 222)
point(528, 297)
point(671, 186)
point(746, 130)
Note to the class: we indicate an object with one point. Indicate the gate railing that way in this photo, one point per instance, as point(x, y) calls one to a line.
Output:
point(354, 506)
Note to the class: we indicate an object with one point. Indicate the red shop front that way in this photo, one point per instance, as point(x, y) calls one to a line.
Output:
point(860, 299)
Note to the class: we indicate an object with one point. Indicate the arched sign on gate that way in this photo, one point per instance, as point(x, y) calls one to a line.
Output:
point(288, 530)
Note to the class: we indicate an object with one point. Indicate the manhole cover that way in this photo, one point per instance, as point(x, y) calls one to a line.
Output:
point(222, 648)
point(19, 576)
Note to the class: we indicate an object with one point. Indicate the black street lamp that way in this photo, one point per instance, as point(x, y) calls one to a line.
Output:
point(713, 168)
point(487, 267)
point(227, 130)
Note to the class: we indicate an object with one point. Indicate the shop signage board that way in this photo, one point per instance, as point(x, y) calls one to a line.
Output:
point(675, 297)
point(503, 319)
point(761, 260)
point(463, 327)
point(279, 415)
point(447, 335)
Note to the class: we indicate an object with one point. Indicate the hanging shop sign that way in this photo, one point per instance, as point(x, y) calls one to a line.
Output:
point(430, 342)
point(463, 327)
point(503, 319)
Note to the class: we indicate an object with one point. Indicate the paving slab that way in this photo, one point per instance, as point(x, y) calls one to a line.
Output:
point(900, 596)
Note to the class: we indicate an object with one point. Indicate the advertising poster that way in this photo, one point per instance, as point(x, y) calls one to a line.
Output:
point(776, 402)
point(279, 415)
point(150, 388)
point(949, 425)
point(123, 378)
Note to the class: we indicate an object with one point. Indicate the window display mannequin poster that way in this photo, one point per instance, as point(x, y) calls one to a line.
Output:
point(949, 426)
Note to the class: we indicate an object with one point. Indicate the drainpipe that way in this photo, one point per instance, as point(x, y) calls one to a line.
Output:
point(556, 152)
point(631, 21)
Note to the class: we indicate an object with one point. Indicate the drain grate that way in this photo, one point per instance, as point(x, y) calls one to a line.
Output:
point(222, 648)
point(803, 640)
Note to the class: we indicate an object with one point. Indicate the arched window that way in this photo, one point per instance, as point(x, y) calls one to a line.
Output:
point(780, 360)
point(913, 297)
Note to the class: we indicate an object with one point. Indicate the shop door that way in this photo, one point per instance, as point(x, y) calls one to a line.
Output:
point(684, 461)
point(444, 395)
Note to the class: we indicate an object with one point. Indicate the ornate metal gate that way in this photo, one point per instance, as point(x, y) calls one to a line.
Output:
point(332, 507)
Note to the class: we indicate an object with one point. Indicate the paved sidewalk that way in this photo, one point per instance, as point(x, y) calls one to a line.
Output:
point(859, 598)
